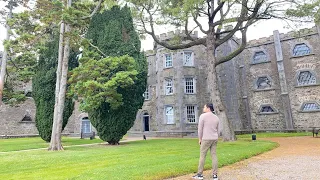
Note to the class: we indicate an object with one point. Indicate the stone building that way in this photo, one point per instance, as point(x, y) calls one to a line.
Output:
point(273, 85)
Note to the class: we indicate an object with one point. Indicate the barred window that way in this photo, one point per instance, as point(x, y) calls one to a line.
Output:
point(306, 78)
point(301, 50)
point(191, 114)
point(188, 58)
point(266, 109)
point(146, 94)
point(168, 86)
point(169, 114)
point(310, 107)
point(260, 57)
point(189, 86)
point(263, 83)
point(168, 60)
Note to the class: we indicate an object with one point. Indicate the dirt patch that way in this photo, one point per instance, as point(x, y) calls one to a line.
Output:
point(295, 158)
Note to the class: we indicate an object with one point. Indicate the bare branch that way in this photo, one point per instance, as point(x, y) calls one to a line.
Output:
point(199, 25)
point(94, 10)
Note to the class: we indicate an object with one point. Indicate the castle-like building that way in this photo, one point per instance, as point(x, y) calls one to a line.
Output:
point(273, 85)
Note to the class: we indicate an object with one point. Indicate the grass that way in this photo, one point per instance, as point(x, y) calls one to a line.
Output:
point(151, 159)
point(17, 144)
point(275, 134)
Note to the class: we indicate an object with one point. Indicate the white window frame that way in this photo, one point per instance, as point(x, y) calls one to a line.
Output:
point(195, 114)
point(167, 85)
point(309, 84)
point(191, 63)
point(193, 85)
point(169, 63)
point(310, 110)
point(146, 94)
point(169, 117)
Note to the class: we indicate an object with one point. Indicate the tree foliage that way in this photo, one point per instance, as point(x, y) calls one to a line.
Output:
point(43, 84)
point(112, 33)
point(305, 10)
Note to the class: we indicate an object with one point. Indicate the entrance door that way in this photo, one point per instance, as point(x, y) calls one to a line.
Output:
point(146, 121)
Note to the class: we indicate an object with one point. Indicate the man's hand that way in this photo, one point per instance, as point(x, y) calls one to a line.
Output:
point(199, 142)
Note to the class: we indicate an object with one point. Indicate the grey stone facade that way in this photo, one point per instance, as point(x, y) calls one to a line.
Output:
point(273, 85)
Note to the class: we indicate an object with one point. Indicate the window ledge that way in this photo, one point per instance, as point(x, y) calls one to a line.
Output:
point(310, 85)
point(189, 123)
point(170, 124)
point(168, 67)
point(189, 66)
point(169, 94)
point(263, 62)
point(267, 113)
point(190, 93)
point(268, 89)
point(311, 111)
point(293, 57)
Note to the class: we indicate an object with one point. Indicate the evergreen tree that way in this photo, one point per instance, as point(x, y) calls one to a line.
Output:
point(43, 85)
point(114, 34)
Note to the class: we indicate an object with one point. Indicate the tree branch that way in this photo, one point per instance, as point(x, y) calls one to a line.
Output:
point(94, 10)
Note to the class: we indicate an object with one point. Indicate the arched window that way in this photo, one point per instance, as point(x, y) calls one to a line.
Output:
point(313, 106)
point(260, 57)
point(263, 83)
point(265, 109)
point(301, 50)
point(306, 78)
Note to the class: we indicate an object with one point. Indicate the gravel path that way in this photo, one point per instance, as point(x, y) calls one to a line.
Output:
point(295, 158)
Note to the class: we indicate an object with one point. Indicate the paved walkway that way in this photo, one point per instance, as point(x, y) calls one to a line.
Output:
point(295, 158)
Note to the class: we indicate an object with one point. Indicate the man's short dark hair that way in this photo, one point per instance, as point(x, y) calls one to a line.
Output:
point(210, 105)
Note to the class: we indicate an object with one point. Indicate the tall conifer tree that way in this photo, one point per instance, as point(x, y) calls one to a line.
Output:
point(114, 34)
point(43, 84)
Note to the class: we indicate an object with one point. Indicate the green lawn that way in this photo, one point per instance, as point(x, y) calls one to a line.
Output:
point(151, 159)
point(16, 144)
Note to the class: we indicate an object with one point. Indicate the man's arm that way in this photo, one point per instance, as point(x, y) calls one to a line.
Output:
point(200, 128)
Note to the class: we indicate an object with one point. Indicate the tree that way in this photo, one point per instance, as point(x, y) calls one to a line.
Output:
point(113, 34)
point(34, 32)
point(216, 13)
point(43, 84)
point(10, 6)
point(305, 10)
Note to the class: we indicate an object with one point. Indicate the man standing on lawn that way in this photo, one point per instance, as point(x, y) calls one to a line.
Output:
point(208, 138)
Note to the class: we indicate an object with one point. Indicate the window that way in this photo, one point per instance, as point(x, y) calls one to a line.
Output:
point(188, 58)
point(85, 125)
point(266, 109)
point(310, 107)
point(167, 60)
point(169, 114)
point(306, 78)
point(168, 86)
point(301, 50)
point(189, 85)
point(263, 83)
point(191, 114)
point(146, 94)
point(260, 57)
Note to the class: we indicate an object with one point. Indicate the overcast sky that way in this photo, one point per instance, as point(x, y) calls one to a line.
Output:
point(262, 29)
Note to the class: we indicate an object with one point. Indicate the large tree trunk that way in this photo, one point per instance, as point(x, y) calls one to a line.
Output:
point(55, 143)
point(5, 57)
point(212, 80)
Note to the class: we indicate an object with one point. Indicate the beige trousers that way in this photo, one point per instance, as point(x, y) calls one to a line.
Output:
point(205, 146)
